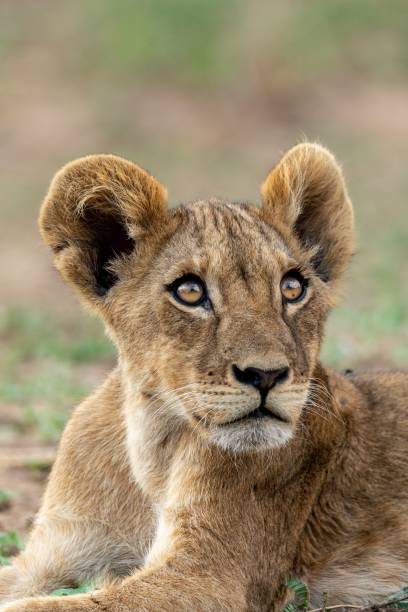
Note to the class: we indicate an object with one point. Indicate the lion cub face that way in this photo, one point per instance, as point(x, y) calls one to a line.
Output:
point(238, 313)
point(217, 308)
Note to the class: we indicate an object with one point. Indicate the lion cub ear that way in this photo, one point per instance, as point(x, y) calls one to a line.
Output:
point(96, 209)
point(305, 194)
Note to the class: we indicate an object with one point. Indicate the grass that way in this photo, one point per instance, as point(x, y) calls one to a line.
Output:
point(42, 368)
point(44, 397)
point(371, 324)
point(198, 44)
point(84, 588)
point(10, 544)
point(5, 499)
point(181, 40)
point(301, 599)
point(366, 37)
point(32, 335)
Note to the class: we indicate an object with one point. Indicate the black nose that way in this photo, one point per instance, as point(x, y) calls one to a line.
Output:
point(263, 380)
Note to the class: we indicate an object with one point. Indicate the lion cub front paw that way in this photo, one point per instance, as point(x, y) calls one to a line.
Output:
point(74, 603)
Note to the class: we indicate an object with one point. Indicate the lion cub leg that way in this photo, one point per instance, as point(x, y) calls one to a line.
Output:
point(176, 579)
point(8, 578)
point(94, 519)
point(62, 553)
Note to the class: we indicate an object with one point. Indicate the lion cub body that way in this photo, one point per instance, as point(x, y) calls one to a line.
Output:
point(173, 475)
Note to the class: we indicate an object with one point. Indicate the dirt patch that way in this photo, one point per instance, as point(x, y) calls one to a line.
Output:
point(23, 471)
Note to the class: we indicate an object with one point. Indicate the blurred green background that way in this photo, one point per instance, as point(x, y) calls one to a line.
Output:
point(206, 94)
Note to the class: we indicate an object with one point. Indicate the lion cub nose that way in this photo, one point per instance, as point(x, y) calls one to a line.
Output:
point(263, 380)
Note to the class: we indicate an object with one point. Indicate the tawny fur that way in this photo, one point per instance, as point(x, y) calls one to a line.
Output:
point(152, 482)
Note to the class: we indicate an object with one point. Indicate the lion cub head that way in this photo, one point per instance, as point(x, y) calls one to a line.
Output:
point(217, 308)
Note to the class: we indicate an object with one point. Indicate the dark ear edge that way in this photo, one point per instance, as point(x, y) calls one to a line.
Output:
point(305, 194)
point(96, 208)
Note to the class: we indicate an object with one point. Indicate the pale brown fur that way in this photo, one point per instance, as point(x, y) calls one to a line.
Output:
point(152, 479)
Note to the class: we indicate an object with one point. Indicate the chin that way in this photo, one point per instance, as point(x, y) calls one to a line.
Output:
point(253, 436)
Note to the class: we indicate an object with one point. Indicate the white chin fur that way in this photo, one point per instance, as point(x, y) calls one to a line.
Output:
point(255, 435)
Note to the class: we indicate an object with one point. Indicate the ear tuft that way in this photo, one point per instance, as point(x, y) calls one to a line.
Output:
point(95, 210)
point(305, 195)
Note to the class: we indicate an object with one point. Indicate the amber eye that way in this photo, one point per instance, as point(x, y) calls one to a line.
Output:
point(293, 287)
point(189, 290)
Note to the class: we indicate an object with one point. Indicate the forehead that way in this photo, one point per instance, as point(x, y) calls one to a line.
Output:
point(228, 237)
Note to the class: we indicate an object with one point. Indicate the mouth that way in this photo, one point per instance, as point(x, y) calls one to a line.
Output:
point(261, 429)
point(261, 412)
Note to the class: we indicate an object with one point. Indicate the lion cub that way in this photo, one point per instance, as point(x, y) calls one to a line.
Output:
point(219, 458)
